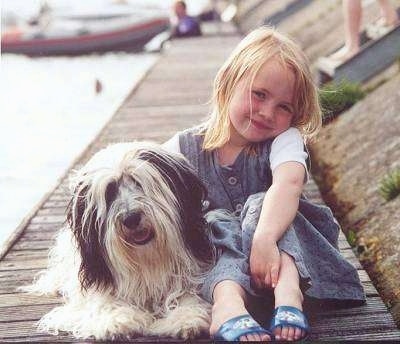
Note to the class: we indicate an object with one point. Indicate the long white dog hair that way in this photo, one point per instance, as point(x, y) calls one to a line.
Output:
point(132, 257)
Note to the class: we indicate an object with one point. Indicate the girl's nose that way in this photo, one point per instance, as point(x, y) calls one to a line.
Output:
point(267, 110)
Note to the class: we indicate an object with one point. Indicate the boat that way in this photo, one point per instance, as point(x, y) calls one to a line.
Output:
point(77, 35)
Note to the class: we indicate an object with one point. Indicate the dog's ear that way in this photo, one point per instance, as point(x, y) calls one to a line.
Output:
point(190, 193)
point(93, 271)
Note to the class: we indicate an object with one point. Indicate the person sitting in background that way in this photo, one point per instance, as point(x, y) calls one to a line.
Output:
point(352, 11)
point(184, 25)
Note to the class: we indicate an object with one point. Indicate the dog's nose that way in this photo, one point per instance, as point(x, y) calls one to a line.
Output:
point(132, 220)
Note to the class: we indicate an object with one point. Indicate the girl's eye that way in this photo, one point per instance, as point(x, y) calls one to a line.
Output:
point(259, 94)
point(286, 108)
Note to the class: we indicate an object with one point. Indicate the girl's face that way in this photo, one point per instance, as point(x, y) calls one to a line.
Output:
point(271, 111)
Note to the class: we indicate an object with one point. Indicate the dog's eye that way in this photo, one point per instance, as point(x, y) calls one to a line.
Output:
point(141, 236)
point(132, 220)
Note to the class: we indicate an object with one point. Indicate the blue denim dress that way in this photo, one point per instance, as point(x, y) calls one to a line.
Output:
point(239, 189)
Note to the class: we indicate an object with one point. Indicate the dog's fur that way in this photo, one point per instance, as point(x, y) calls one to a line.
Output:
point(134, 251)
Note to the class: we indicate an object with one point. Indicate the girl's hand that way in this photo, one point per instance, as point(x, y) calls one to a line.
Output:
point(265, 261)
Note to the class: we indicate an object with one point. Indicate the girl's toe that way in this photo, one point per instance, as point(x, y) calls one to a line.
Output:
point(297, 333)
point(252, 337)
point(284, 332)
point(291, 333)
point(265, 338)
point(277, 332)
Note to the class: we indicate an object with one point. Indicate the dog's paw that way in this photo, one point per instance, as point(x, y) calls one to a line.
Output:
point(185, 332)
point(188, 328)
point(191, 332)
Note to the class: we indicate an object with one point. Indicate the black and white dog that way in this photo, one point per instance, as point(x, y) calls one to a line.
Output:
point(135, 250)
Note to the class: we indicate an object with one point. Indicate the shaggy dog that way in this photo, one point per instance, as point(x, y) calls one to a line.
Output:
point(135, 250)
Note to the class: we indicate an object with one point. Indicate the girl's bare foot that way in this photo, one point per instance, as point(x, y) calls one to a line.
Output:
point(288, 293)
point(343, 54)
point(229, 304)
point(382, 26)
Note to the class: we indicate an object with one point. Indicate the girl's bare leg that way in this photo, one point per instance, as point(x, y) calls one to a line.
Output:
point(229, 302)
point(388, 13)
point(352, 12)
point(287, 293)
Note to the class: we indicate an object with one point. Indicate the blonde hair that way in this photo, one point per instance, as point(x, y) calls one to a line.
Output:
point(245, 61)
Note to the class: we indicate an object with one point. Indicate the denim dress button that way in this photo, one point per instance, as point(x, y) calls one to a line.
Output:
point(239, 207)
point(232, 180)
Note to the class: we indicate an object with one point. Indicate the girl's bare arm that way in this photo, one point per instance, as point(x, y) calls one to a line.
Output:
point(278, 211)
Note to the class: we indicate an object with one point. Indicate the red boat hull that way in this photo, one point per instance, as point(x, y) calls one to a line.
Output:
point(129, 38)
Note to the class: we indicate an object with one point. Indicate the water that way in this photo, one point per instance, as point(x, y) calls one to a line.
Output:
point(50, 111)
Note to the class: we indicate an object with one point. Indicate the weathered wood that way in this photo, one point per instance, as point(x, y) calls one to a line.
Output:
point(286, 12)
point(23, 313)
point(33, 263)
point(24, 255)
point(33, 245)
point(8, 300)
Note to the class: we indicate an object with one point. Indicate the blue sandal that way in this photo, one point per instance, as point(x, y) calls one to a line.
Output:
point(239, 326)
point(289, 316)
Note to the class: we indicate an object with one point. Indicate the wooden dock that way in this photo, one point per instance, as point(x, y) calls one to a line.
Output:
point(172, 96)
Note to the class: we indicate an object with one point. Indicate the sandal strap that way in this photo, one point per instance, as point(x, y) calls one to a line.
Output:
point(239, 326)
point(289, 316)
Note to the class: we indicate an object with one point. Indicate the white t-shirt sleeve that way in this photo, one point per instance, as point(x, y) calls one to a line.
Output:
point(288, 146)
point(172, 145)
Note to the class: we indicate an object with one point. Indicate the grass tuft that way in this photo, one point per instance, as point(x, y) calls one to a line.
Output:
point(338, 97)
point(352, 238)
point(389, 187)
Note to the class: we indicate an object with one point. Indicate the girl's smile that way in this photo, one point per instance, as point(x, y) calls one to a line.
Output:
point(259, 125)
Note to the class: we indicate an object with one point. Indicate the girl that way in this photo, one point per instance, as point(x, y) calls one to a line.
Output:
point(250, 155)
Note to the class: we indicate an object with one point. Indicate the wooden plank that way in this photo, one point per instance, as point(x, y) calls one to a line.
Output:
point(367, 335)
point(33, 263)
point(52, 211)
point(22, 330)
point(23, 313)
point(55, 203)
point(17, 275)
point(373, 305)
point(369, 289)
point(40, 236)
point(25, 254)
point(288, 11)
point(21, 299)
point(57, 219)
point(39, 338)
point(33, 245)
point(27, 331)
point(352, 323)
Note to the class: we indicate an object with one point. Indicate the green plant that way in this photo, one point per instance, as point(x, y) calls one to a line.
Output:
point(389, 187)
point(338, 97)
point(352, 238)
